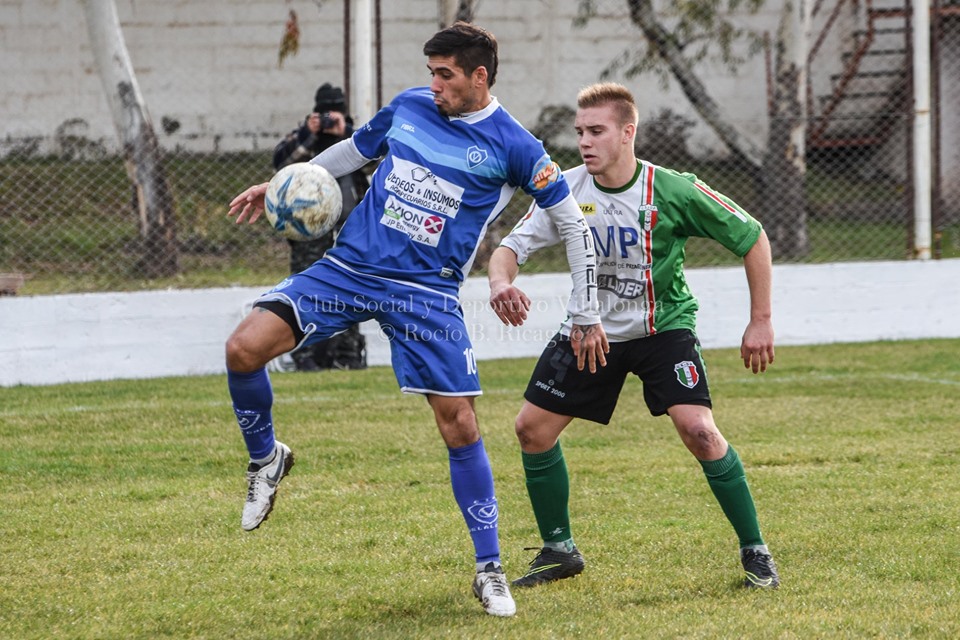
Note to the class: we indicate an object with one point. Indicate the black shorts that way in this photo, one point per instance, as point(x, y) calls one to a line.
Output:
point(286, 314)
point(669, 365)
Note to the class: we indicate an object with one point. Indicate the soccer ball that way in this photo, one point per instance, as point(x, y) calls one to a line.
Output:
point(303, 201)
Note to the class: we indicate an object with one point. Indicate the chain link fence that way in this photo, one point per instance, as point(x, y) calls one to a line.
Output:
point(69, 214)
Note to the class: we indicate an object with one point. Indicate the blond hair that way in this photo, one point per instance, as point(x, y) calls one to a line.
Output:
point(619, 96)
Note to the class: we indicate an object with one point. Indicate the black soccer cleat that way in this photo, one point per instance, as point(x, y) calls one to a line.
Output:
point(760, 569)
point(551, 565)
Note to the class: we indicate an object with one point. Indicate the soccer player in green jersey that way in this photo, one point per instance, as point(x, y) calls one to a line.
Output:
point(640, 216)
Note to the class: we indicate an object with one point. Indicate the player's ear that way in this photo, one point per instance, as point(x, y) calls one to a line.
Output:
point(480, 76)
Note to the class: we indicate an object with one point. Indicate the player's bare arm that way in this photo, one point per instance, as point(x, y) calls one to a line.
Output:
point(510, 303)
point(756, 348)
point(249, 204)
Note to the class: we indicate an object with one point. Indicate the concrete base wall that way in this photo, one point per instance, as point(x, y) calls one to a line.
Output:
point(73, 338)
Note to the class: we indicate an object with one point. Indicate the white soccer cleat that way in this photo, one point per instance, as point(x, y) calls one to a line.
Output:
point(262, 487)
point(490, 587)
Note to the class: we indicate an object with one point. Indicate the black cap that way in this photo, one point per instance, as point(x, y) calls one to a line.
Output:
point(330, 98)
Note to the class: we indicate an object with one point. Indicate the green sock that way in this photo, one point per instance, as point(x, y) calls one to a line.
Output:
point(549, 488)
point(729, 485)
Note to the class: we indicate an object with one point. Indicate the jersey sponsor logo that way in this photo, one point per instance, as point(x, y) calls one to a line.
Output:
point(433, 224)
point(626, 288)
point(419, 186)
point(546, 172)
point(406, 126)
point(476, 156)
point(611, 210)
point(588, 208)
point(616, 237)
point(687, 374)
point(422, 227)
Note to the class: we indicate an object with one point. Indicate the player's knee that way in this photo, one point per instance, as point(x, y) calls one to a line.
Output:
point(520, 427)
point(526, 432)
point(457, 422)
point(704, 440)
point(466, 424)
point(240, 357)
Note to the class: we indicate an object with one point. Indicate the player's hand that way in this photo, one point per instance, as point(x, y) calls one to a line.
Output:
point(756, 348)
point(509, 303)
point(590, 345)
point(249, 204)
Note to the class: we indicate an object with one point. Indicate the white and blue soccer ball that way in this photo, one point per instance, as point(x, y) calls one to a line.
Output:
point(303, 201)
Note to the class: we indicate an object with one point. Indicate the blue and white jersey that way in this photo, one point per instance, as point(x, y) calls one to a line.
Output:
point(441, 183)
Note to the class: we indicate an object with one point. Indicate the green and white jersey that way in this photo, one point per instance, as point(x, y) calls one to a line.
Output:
point(640, 233)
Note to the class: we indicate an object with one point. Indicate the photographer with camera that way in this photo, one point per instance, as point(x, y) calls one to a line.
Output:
point(325, 126)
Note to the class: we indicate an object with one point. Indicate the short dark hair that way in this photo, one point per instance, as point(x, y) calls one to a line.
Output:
point(469, 45)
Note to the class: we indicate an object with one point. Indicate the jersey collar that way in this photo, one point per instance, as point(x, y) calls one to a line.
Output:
point(477, 116)
point(626, 187)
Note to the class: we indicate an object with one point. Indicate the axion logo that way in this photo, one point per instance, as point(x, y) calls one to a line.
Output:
point(485, 512)
point(433, 224)
point(399, 210)
point(422, 227)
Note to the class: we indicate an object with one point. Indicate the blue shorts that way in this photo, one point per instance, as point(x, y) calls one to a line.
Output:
point(430, 348)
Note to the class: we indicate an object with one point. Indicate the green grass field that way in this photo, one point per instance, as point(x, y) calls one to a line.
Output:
point(121, 509)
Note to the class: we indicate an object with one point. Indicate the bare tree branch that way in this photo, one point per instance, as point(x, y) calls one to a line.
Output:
point(667, 48)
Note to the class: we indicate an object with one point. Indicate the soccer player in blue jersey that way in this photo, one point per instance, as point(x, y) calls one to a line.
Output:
point(452, 157)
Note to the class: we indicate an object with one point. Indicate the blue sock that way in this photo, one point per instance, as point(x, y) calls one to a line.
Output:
point(252, 400)
point(472, 481)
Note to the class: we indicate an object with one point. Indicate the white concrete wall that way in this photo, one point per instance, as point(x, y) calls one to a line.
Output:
point(71, 338)
point(212, 66)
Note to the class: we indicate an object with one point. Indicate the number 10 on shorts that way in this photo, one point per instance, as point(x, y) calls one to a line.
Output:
point(471, 361)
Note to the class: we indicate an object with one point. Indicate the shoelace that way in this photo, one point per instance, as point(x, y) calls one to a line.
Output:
point(252, 479)
point(497, 584)
point(757, 561)
point(539, 551)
